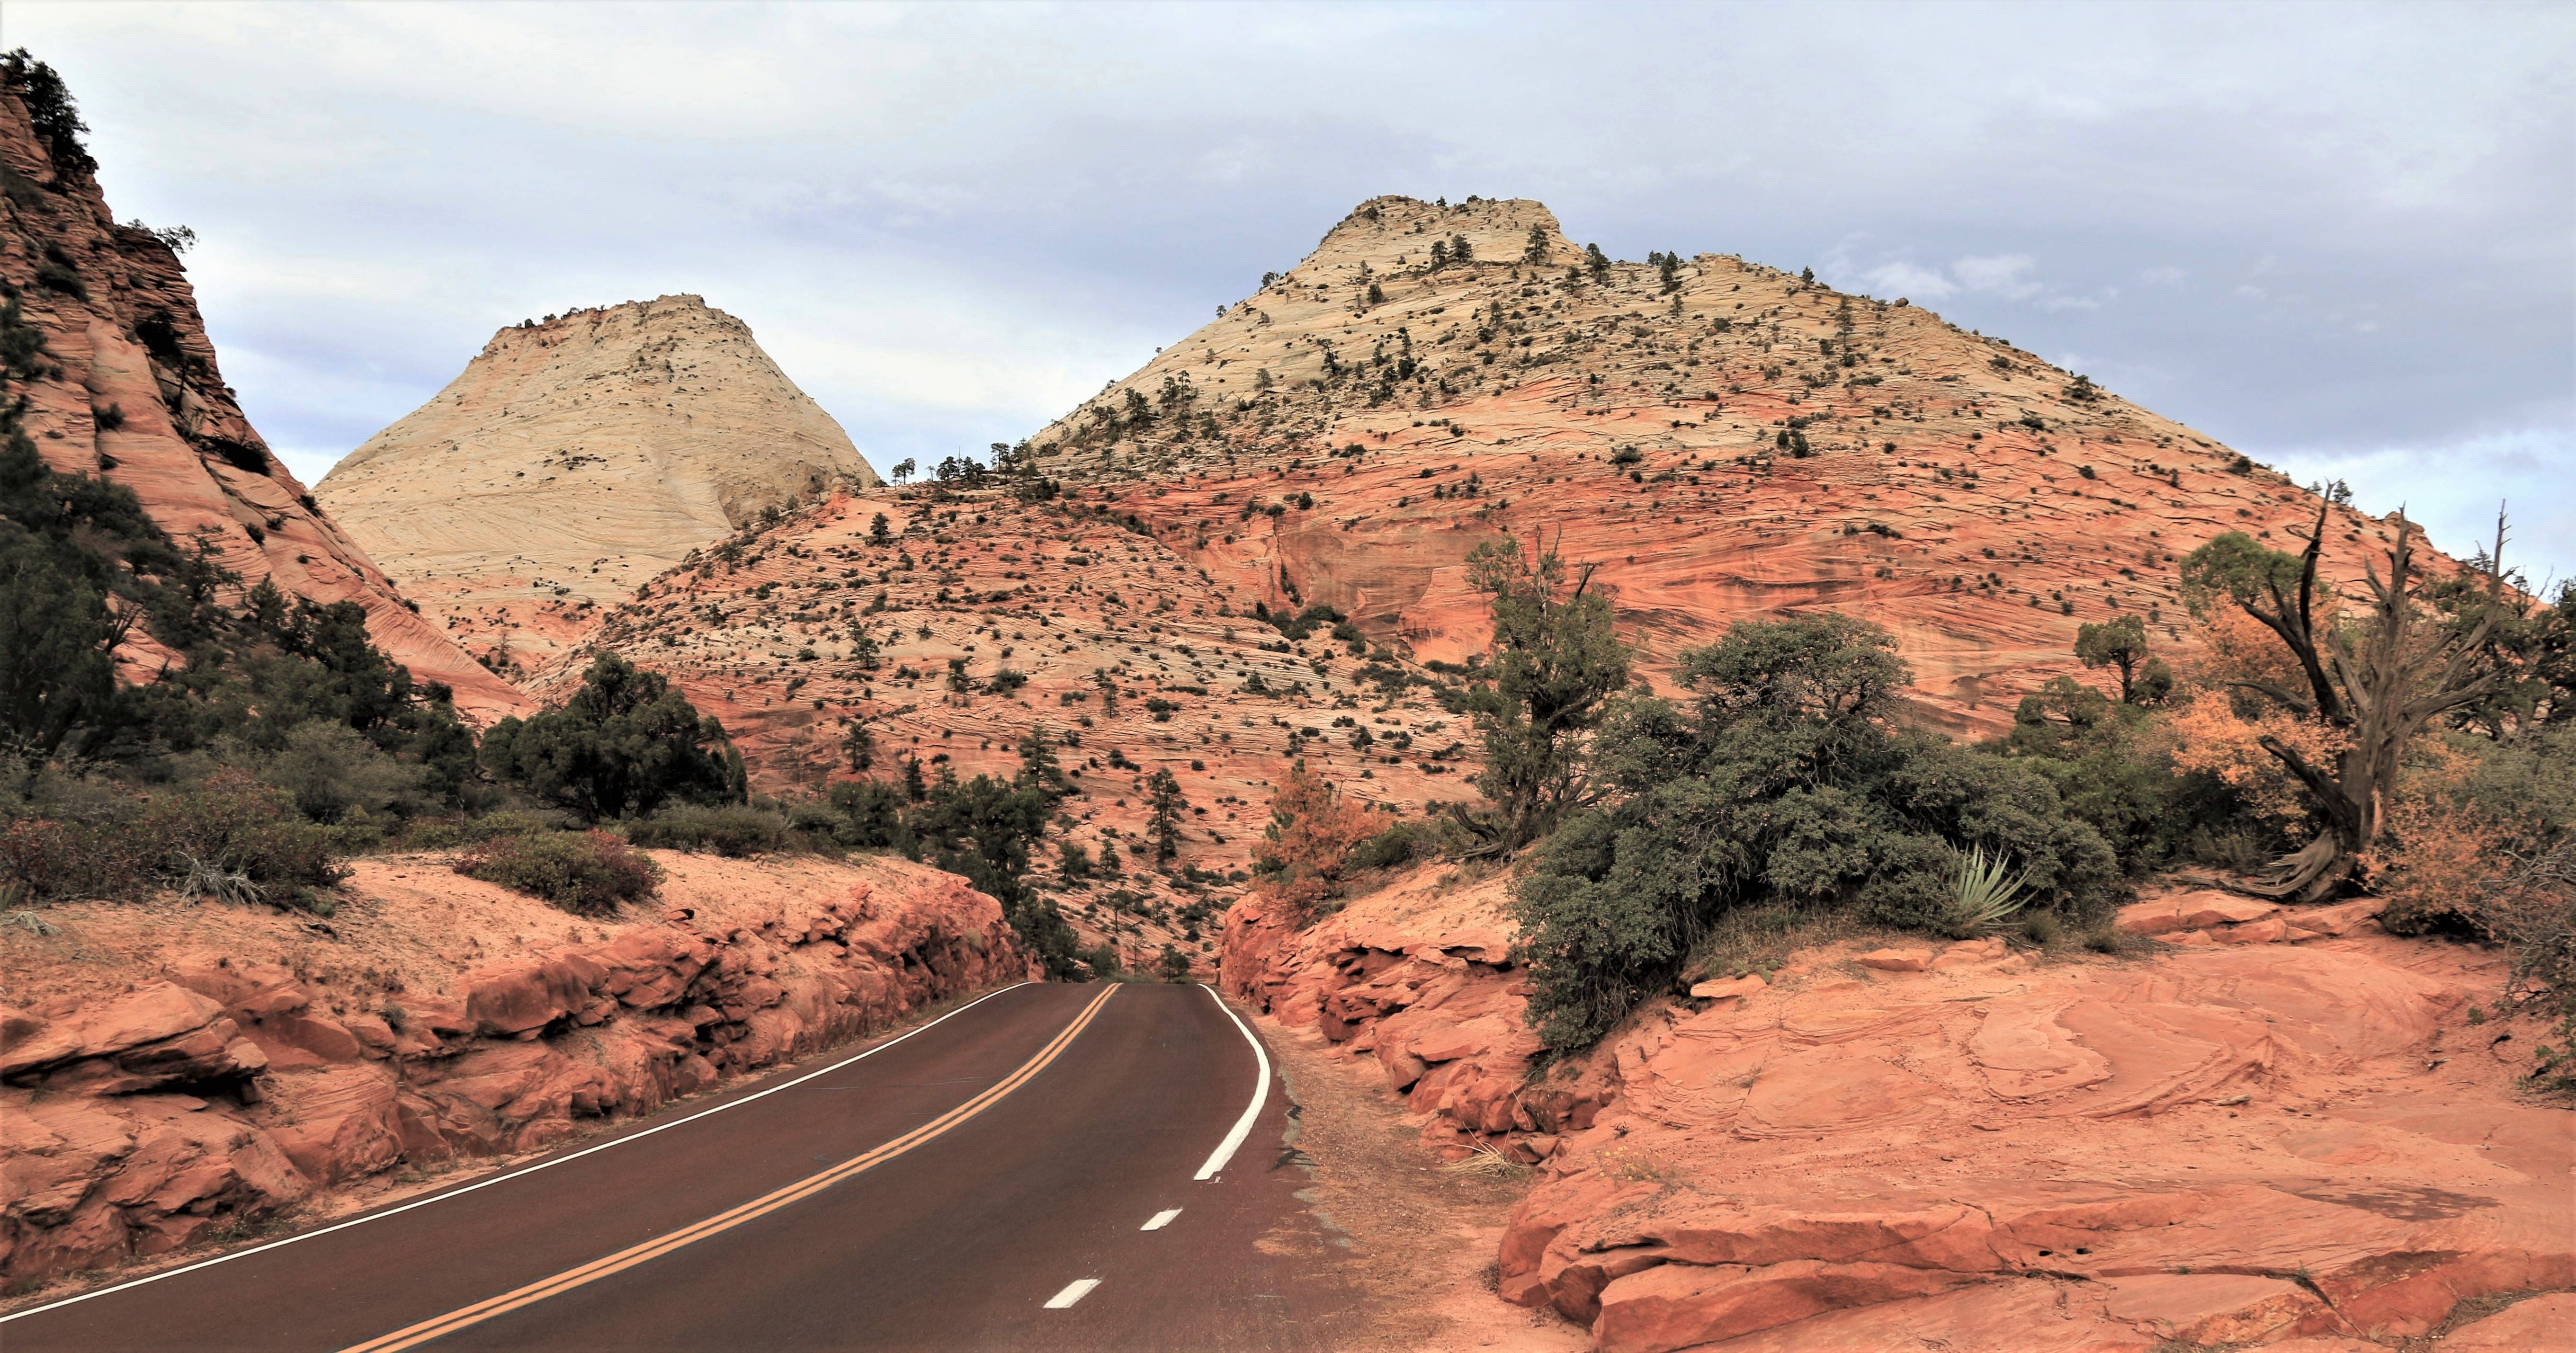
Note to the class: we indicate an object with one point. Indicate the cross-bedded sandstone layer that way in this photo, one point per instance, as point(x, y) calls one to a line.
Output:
point(151, 1097)
point(965, 622)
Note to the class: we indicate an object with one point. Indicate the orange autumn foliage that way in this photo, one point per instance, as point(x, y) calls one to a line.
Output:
point(2441, 847)
point(1309, 841)
point(2209, 733)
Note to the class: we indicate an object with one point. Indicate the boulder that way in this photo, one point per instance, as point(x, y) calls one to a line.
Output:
point(1728, 988)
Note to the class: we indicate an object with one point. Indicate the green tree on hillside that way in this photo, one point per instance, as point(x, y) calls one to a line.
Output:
point(1167, 807)
point(2121, 644)
point(1556, 659)
point(625, 744)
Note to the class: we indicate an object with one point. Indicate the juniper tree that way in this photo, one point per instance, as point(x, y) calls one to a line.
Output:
point(1167, 805)
point(1556, 659)
point(2374, 682)
point(2122, 645)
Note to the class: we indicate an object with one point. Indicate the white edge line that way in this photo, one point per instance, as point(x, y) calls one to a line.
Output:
point(1160, 1219)
point(514, 1174)
point(1260, 1095)
point(1073, 1291)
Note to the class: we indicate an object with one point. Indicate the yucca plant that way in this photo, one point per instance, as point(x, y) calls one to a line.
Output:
point(1984, 893)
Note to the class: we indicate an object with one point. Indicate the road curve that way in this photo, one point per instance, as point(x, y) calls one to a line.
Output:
point(986, 1182)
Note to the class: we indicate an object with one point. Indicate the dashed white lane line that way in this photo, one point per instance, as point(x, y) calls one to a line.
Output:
point(1073, 1291)
point(1161, 1219)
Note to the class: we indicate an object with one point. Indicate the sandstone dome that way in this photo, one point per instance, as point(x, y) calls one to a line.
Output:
point(575, 458)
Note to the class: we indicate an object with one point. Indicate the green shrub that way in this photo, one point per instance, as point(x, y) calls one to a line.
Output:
point(116, 846)
point(623, 745)
point(1786, 784)
point(1400, 844)
point(732, 830)
point(586, 873)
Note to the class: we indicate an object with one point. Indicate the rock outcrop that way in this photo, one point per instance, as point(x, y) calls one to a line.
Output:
point(221, 1089)
point(2286, 1128)
point(576, 458)
point(122, 383)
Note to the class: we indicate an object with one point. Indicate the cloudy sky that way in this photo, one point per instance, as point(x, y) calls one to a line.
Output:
point(2341, 238)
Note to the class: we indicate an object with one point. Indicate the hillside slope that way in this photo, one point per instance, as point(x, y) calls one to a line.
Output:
point(575, 458)
point(971, 618)
point(106, 346)
point(1724, 438)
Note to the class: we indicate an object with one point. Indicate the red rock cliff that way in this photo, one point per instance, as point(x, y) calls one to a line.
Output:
point(126, 387)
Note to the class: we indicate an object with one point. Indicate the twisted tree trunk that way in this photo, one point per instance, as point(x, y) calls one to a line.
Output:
point(2377, 689)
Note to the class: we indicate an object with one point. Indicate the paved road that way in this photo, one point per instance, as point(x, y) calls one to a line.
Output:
point(955, 1189)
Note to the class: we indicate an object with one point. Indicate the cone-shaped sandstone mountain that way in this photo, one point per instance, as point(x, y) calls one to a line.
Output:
point(576, 458)
point(1724, 438)
point(122, 383)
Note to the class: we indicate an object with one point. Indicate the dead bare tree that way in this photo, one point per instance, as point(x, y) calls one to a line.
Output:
point(2376, 681)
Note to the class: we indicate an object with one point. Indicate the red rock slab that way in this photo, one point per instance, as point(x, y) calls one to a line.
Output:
point(2538, 1325)
point(1675, 1306)
point(2213, 1308)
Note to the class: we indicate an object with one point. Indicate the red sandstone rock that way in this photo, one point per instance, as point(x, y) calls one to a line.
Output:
point(1672, 1306)
point(1897, 960)
point(1892, 1161)
point(1728, 988)
point(2541, 1323)
point(533, 1047)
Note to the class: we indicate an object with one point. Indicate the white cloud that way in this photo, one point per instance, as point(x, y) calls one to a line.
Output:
point(947, 222)
point(2005, 274)
point(2454, 491)
point(1905, 279)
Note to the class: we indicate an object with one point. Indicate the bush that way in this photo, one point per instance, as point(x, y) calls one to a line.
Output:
point(623, 745)
point(331, 771)
point(1786, 785)
point(1400, 844)
point(1307, 847)
point(586, 873)
point(116, 846)
point(733, 830)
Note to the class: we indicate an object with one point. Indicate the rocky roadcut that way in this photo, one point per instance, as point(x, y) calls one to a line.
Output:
point(221, 1090)
point(2280, 1128)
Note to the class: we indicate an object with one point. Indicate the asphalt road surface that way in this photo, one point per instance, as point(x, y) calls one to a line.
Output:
point(1050, 1167)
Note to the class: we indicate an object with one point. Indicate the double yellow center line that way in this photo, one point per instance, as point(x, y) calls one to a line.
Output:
point(415, 1335)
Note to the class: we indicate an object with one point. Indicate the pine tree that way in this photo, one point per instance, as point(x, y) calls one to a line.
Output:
point(1598, 262)
point(1536, 250)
